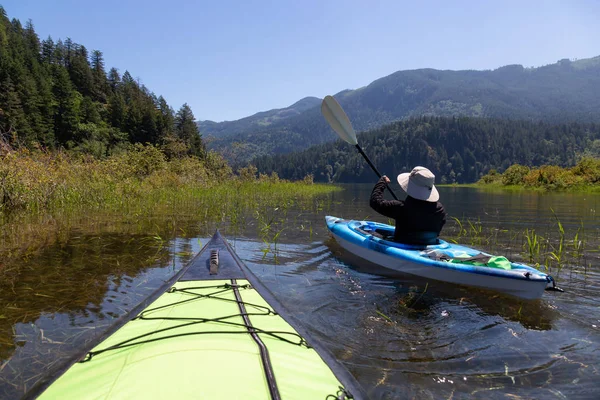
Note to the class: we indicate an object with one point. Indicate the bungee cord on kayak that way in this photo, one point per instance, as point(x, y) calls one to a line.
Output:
point(199, 320)
point(264, 352)
point(227, 287)
point(342, 394)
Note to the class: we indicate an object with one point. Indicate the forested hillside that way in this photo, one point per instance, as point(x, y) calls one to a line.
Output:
point(561, 92)
point(458, 150)
point(58, 94)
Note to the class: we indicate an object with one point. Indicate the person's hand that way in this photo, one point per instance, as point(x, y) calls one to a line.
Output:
point(386, 179)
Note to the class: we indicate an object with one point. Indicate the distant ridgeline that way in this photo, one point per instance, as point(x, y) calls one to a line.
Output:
point(457, 150)
point(561, 92)
point(58, 95)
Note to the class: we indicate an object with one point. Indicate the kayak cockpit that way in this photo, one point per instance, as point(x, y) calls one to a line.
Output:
point(385, 234)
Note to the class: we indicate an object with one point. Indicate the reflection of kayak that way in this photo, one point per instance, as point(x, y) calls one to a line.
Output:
point(443, 262)
point(212, 332)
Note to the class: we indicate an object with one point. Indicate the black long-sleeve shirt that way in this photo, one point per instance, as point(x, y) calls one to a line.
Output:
point(417, 221)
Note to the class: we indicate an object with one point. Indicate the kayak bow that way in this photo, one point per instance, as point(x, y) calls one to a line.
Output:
point(213, 331)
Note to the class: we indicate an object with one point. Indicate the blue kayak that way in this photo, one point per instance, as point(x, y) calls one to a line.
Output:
point(444, 261)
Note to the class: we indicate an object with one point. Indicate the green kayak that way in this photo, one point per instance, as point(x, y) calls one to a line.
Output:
point(212, 332)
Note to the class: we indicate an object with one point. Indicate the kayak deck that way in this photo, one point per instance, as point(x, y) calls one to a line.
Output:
point(207, 337)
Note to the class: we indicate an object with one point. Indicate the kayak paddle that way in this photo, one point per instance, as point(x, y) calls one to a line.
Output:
point(339, 122)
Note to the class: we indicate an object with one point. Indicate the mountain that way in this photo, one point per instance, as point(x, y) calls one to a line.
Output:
point(258, 120)
point(566, 91)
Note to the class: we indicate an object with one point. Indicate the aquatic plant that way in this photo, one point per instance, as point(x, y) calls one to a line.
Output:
point(461, 230)
point(532, 245)
point(578, 242)
point(557, 250)
point(267, 231)
point(552, 251)
point(475, 231)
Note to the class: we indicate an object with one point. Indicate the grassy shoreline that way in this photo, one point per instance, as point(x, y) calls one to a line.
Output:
point(42, 192)
point(142, 176)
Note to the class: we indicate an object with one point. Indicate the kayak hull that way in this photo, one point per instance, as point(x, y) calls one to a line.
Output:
point(214, 331)
point(520, 281)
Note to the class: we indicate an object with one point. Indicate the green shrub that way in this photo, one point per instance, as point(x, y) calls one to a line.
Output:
point(588, 168)
point(514, 174)
point(248, 173)
point(143, 160)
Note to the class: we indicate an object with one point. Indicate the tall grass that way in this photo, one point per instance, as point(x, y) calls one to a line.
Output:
point(47, 187)
point(135, 179)
point(532, 244)
point(551, 252)
point(558, 250)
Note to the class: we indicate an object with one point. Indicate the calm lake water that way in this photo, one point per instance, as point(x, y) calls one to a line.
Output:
point(400, 336)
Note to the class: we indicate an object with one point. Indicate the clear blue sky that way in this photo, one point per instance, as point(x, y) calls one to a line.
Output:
point(231, 59)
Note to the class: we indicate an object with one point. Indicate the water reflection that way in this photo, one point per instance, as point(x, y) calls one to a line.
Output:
point(72, 291)
point(400, 336)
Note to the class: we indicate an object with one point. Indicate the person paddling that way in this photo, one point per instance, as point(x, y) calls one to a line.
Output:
point(420, 217)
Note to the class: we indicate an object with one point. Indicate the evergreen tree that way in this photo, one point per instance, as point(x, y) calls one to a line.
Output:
point(32, 39)
point(148, 132)
point(80, 72)
point(114, 79)
point(9, 101)
point(133, 120)
point(100, 81)
point(59, 53)
point(48, 51)
point(166, 120)
point(68, 51)
point(127, 79)
point(116, 111)
point(11, 112)
point(89, 111)
point(187, 131)
point(66, 116)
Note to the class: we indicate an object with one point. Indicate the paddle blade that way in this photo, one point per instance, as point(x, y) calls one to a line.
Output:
point(338, 120)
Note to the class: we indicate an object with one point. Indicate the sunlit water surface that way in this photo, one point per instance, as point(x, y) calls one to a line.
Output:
point(401, 337)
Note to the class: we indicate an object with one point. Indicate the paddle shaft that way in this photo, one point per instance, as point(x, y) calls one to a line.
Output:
point(360, 150)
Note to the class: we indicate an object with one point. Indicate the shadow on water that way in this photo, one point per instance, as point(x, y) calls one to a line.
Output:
point(416, 296)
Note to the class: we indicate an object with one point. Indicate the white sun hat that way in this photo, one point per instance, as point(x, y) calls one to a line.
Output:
point(418, 183)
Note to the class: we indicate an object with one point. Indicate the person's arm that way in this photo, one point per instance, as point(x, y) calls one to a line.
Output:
point(440, 209)
point(388, 208)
